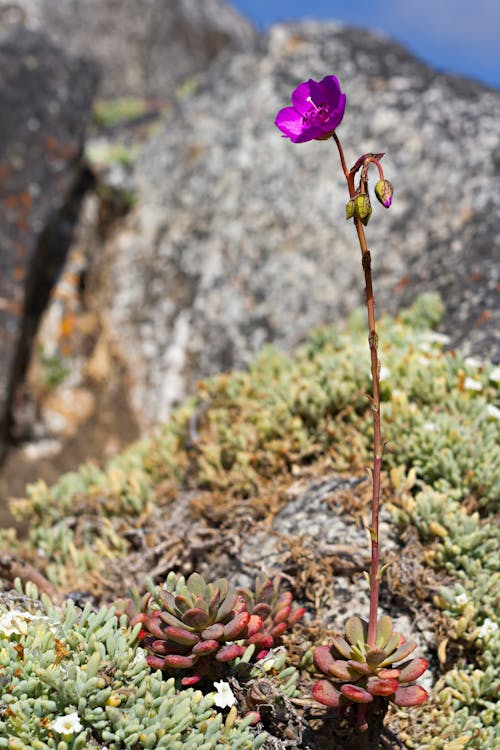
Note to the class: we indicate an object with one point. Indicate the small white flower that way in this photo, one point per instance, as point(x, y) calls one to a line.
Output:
point(140, 655)
point(488, 628)
point(67, 725)
point(473, 362)
point(385, 373)
point(462, 600)
point(15, 622)
point(424, 361)
point(492, 411)
point(224, 697)
point(495, 375)
point(434, 337)
point(430, 426)
point(472, 385)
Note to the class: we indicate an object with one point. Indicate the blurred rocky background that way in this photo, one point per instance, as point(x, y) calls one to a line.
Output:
point(156, 229)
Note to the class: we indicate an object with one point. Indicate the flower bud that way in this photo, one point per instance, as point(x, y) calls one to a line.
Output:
point(363, 208)
point(384, 191)
point(350, 208)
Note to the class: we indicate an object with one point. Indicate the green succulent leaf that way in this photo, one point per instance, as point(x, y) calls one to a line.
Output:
point(196, 584)
point(384, 631)
point(227, 606)
point(375, 657)
point(341, 645)
point(393, 643)
point(401, 653)
point(359, 666)
point(355, 631)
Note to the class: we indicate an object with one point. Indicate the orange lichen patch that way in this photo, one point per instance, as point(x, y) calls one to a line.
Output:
point(19, 201)
point(473, 278)
point(67, 325)
point(61, 651)
point(67, 150)
point(50, 143)
point(402, 284)
point(22, 225)
point(484, 317)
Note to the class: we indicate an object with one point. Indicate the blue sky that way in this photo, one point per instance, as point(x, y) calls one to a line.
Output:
point(457, 36)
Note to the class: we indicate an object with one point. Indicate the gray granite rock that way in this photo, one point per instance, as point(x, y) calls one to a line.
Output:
point(239, 236)
point(145, 47)
point(46, 102)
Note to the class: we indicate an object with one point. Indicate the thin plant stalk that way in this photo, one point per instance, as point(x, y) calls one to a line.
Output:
point(375, 406)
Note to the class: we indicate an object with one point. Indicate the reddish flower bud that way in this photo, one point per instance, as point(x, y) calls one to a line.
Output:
point(384, 192)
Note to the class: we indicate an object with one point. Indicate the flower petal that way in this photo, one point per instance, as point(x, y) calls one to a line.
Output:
point(301, 97)
point(317, 94)
point(310, 134)
point(331, 87)
point(336, 116)
point(290, 122)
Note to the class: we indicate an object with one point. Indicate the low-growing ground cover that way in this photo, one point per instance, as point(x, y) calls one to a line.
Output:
point(223, 466)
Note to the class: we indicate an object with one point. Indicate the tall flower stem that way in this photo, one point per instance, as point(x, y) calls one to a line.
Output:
point(375, 405)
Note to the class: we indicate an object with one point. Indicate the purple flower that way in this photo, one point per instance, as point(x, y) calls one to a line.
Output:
point(318, 108)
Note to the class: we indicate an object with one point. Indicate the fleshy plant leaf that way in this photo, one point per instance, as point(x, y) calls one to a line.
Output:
point(413, 695)
point(413, 670)
point(355, 631)
point(384, 631)
point(324, 692)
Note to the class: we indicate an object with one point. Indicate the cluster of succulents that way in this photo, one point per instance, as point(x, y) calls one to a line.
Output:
point(359, 674)
point(274, 606)
point(74, 679)
point(192, 627)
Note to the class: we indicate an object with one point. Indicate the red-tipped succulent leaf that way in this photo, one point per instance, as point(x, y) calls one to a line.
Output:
point(324, 692)
point(356, 694)
point(413, 695)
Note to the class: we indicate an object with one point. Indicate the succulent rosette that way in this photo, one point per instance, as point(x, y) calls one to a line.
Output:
point(359, 674)
point(276, 610)
point(317, 109)
point(193, 625)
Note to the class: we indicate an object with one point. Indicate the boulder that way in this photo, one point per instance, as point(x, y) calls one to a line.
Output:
point(239, 238)
point(46, 102)
point(145, 48)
